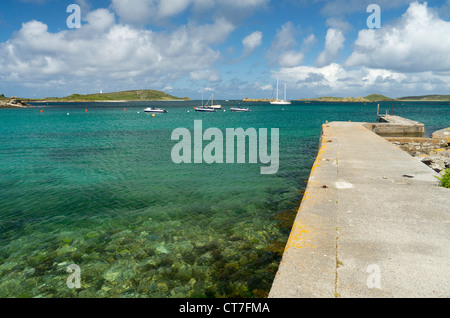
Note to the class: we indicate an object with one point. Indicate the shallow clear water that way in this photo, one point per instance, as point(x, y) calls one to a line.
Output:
point(99, 189)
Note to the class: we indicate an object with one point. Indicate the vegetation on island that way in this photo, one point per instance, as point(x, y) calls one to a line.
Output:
point(343, 99)
point(368, 99)
point(134, 95)
point(154, 95)
point(378, 98)
point(426, 98)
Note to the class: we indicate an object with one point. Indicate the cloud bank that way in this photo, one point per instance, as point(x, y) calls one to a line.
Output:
point(410, 55)
point(114, 50)
point(103, 50)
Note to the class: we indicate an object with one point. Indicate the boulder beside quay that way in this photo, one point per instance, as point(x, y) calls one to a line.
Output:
point(443, 134)
point(14, 103)
point(434, 152)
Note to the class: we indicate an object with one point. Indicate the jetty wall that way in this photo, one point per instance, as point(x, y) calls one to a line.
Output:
point(395, 126)
point(373, 223)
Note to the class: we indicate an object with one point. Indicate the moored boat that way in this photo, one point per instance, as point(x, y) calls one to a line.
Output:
point(238, 109)
point(278, 101)
point(205, 109)
point(155, 110)
point(211, 99)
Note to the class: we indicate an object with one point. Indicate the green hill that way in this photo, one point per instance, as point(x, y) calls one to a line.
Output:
point(427, 98)
point(136, 95)
point(330, 98)
point(378, 98)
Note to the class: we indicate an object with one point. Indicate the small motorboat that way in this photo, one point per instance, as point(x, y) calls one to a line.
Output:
point(155, 110)
point(239, 109)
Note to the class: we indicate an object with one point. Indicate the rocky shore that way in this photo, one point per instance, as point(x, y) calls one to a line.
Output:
point(255, 100)
point(14, 103)
point(434, 152)
point(344, 100)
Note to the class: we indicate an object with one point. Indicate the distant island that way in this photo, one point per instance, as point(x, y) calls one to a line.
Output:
point(134, 95)
point(154, 95)
point(368, 99)
point(251, 100)
point(124, 96)
point(433, 98)
point(380, 98)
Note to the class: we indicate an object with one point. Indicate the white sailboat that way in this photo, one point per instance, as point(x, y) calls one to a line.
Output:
point(212, 103)
point(278, 101)
point(205, 108)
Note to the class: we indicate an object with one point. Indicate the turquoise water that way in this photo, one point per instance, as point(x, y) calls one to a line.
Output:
point(99, 189)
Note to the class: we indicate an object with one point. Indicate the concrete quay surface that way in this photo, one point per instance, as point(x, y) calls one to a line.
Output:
point(395, 126)
point(373, 224)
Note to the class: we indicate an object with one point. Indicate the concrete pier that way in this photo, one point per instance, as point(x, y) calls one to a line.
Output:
point(373, 223)
point(395, 126)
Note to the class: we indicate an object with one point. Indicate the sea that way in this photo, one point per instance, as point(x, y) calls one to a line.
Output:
point(93, 206)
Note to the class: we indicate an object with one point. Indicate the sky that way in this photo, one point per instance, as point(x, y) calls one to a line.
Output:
point(230, 48)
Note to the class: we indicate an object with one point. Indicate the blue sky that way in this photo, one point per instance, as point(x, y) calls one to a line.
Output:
point(234, 48)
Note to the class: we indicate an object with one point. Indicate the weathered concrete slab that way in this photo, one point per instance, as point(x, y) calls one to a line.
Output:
point(399, 120)
point(395, 126)
point(418, 140)
point(369, 206)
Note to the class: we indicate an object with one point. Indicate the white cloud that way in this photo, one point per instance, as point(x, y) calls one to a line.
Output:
point(208, 75)
point(313, 77)
point(342, 7)
point(100, 20)
point(285, 37)
point(244, 4)
point(135, 11)
point(262, 87)
point(339, 24)
point(104, 53)
point(290, 59)
point(213, 33)
point(252, 41)
point(418, 42)
point(334, 79)
point(168, 8)
point(282, 51)
point(150, 11)
point(333, 43)
point(85, 5)
point(310, 40)
point(410, 55)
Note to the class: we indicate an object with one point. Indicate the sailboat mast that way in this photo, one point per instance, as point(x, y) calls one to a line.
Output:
point(277, 88)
